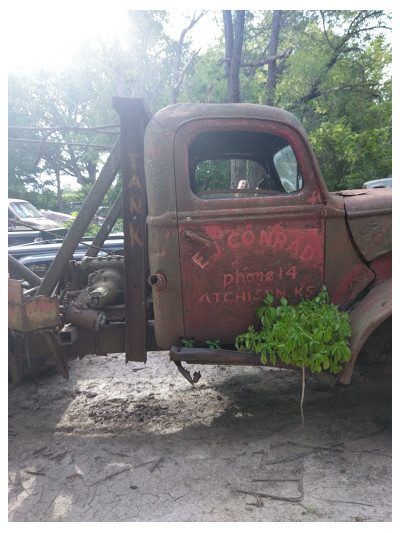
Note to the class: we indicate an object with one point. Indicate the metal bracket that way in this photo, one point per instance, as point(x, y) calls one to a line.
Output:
point(186, 374)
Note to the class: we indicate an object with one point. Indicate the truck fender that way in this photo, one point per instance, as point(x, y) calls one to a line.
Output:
point(366, 316)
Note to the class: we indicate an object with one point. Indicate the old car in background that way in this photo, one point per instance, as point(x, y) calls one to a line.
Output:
point(24, 217)
point(378, 184)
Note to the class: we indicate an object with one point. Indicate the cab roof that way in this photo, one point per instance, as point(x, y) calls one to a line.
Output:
point(172, 117)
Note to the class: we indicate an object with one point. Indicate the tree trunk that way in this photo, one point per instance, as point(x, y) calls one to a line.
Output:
point(233, 57)
point(60, 203)
point(92, 171)
point(238, 172)
point(254, 174)
point(233, 52)
point(272, 52)
point(179, 72)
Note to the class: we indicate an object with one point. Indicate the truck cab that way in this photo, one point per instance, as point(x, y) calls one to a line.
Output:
point(237, 208)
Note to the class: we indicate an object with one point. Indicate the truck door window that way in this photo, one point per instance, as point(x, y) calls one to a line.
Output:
point(242, 164)
point(288, 169)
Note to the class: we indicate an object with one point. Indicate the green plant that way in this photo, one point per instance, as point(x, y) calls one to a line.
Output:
point(213, 345)
point(187, 343)
point(314, 334)
point(91, 230)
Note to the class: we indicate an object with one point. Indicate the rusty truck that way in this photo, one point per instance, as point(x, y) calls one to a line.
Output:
point(221, 204)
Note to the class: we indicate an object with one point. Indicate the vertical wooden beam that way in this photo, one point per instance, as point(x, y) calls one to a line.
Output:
point(134, 119)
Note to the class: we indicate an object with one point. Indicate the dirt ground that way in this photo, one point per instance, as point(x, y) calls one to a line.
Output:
point(138, 443)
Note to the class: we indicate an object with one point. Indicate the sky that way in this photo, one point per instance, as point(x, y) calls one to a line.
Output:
point(48, 37)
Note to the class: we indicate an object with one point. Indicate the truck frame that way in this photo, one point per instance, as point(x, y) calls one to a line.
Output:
point(200, 254)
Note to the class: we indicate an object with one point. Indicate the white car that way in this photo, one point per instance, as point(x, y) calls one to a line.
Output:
point(378, 184)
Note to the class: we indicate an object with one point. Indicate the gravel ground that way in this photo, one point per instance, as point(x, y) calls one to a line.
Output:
point(137, 443)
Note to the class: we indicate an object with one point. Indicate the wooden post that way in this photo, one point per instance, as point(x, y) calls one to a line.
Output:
point(134, 120)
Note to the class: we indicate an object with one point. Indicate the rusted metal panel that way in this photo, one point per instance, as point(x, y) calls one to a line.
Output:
point(205, 356)
point(134, 119)
point(164, 259)
point(346, 274)
point(15, 291)
point(163, 243)
point(233, 251)
point(108, 340)
point(365, 317)
point(370, 221)
point(228, 268)
point(172, 117)
point(372, 234)
point(382, 266)
point(37, 313)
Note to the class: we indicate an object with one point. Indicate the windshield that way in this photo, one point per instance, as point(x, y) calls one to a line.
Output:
point(26, 210)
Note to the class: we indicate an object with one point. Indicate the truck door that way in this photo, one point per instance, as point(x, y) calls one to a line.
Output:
point(251, 221)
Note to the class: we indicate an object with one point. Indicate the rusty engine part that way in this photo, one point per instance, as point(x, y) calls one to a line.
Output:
point(105, 286)
point(80, 314)
point(105, 280)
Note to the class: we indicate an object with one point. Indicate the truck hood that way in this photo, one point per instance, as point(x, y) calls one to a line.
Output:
point(44, 223)
point(369, 216)
point(36, 223)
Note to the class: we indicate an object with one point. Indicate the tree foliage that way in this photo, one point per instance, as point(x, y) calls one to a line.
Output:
point(330, 68)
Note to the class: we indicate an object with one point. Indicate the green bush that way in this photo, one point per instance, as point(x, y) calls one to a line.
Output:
point(91, 230)
point(313, 334)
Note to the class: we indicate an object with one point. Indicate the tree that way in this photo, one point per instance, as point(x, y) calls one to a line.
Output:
point(270, 86)
point(179, 72)
point(234, 31)
point(337, 83)
point(55, 112)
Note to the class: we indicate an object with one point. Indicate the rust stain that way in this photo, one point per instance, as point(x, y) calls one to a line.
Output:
point(353, 283)
point(39, 312)
point(134, 236)
point(134, 182)
point(135, 207)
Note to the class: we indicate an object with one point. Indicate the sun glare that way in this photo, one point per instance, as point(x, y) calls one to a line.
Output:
point(49, 38)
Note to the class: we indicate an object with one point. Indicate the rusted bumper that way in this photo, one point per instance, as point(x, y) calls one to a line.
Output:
point(205, 356)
